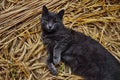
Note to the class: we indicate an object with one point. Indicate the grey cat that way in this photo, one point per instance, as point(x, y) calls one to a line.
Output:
point(85, 56)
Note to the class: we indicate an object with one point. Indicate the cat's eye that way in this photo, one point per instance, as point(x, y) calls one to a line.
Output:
point(55, 21)
point(45, 20)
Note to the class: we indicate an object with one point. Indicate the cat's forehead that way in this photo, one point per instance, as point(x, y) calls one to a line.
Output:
point(52, 15)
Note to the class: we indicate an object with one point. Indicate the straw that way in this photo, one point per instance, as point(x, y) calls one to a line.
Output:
point(22, 54)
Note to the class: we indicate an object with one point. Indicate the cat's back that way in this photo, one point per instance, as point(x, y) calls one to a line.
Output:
point(95, 53)
point(89, 46)
point(78, 37)
point(85, 51)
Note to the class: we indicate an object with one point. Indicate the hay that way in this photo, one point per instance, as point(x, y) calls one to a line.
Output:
point(22, 54)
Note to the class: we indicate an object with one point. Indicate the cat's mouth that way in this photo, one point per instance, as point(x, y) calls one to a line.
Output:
point(50, 30)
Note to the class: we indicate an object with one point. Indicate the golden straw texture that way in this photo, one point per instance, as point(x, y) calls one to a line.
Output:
point(22, 54)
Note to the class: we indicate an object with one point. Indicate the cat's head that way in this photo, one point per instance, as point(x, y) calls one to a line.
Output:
point(50, 21)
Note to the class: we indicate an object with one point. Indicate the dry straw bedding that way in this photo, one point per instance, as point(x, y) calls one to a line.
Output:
point(22, 54)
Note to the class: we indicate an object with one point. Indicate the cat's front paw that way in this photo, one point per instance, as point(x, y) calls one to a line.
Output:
point(54, 72)
point(52, 68)
point(56, 60)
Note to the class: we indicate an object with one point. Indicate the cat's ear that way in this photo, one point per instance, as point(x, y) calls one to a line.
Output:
point(61, 13)
point(44, 10)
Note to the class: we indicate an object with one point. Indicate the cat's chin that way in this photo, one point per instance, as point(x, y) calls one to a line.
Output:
point(50, 31)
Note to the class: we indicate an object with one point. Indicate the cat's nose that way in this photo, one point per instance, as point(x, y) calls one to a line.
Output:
point(50, 27)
